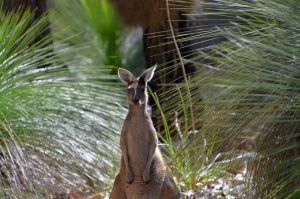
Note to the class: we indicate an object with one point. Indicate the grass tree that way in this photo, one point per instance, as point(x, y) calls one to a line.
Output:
point(249, 86)
point(58, 125)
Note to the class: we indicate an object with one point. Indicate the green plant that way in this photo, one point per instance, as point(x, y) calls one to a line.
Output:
point(181, 152)
point(94, 25)
point(58, 125)
point(249, 85)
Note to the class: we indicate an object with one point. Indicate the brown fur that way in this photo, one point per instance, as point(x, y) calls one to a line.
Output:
point(142, 174)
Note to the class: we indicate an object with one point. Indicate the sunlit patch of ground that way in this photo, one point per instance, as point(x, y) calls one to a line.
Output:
point(231, 187)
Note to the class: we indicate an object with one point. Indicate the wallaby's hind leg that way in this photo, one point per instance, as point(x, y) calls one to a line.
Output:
point(117, 191)
point(169, 189)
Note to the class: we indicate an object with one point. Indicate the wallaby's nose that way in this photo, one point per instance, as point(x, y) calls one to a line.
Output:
point(135, 99)
point(135, 96)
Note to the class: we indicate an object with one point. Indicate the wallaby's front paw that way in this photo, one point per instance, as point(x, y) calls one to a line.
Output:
point(129, 177)
point(146, 176)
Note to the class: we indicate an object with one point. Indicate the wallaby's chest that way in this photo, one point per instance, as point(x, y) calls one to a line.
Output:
point(137, 134)
point(137, 126)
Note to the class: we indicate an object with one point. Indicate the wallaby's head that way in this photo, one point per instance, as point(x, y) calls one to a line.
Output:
point(137, 86)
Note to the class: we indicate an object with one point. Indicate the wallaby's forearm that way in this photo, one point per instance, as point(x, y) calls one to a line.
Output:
point(151, 152)
point(152, 148)
point(126, 160)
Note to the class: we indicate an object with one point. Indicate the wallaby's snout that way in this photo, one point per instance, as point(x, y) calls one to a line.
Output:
point(137, 87)
point(136, 99)
point(136, 93)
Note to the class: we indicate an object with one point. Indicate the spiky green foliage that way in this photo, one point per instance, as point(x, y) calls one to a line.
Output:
point(187, 168)
point(59, 125)
point(249, 86)
point(94, 25)
point(91, 23)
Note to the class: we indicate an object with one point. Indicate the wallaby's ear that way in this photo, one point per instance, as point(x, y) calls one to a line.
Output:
point(147, 75)
point(125, 76)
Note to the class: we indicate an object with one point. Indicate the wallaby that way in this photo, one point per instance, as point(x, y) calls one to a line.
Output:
point(142, 173)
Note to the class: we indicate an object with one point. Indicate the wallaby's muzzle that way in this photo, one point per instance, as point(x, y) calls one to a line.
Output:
point(135, 99)
point(138, 95)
